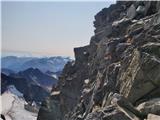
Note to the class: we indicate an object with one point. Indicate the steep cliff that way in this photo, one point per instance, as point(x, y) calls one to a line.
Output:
point(116, 76)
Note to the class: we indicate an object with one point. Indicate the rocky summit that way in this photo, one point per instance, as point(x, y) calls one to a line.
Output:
point(116, 76)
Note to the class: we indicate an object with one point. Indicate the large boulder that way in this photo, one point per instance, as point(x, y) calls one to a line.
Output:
point(153, 117)
point(126, 107)
point(151, 106)
point(141, 76)
point(131, 13)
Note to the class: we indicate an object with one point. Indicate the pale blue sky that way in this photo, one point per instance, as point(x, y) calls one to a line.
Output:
point(48, 28)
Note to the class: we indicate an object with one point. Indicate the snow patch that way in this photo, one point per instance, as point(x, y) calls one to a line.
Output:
point(55, 93)
point(55, 76)
point(12, 89)
point(86, 81)
point(13, 106)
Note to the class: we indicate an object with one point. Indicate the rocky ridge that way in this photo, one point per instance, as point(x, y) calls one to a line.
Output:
point(116, 76)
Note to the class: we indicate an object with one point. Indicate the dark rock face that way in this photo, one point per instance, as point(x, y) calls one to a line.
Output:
point(50, 109)
point(117, 71)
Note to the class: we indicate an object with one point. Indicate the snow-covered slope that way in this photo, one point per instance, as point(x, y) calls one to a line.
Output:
point(44, 64)
point(13, 106)
point(13, 90)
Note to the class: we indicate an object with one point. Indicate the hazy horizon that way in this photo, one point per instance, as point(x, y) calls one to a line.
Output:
point(47, 28)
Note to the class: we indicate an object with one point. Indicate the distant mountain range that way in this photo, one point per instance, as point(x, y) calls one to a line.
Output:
point(45, 64)
point(31, 75)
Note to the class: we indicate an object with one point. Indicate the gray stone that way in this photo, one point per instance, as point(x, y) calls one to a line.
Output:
point(157, 19)
point(140, 9)
point(151, 106)
point(121, 47)
point(153, 117)
point(131, 13)
point(126, 107)
point(140, 78)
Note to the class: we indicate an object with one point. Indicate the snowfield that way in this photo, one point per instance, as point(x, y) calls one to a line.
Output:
point(13, 106)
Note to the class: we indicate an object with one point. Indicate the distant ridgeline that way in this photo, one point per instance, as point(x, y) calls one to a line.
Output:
point(44, 64)
point(116, 76)
point(33, 77)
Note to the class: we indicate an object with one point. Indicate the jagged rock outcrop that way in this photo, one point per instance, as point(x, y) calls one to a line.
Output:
point(117, 71)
